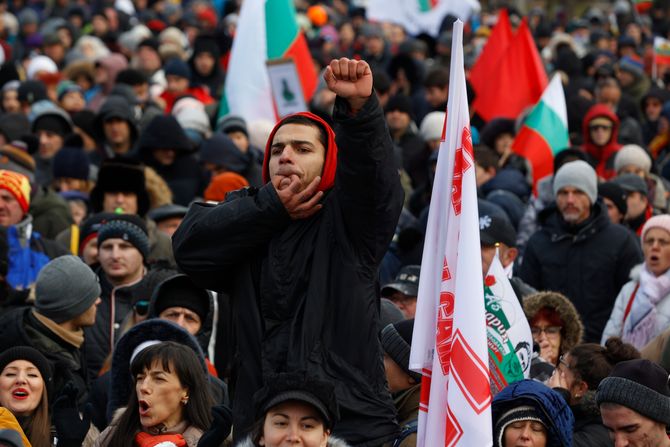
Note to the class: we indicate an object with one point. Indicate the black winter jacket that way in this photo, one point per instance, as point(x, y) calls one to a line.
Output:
point(19, 327)
point(589, 263)
point(305, 292)
point(589, 430)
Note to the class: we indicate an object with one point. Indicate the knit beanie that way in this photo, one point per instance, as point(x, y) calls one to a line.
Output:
point(71, 162)
point(29, 354)
point(522, 413)
point(615, 193)
point(128, 227)
point(632, 154)
point(580, 175)
point(232, 123)
point(640, 385)
point(65, 288)
point(400, 103)
point(397, 343)
point(222, 184)
point(661, 221)
point(18, 186)
point(181, 291)
point(89, 228)
point(432, 126)
point(177, 67)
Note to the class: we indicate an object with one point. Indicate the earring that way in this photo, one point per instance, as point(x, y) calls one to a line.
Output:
point(184, 401)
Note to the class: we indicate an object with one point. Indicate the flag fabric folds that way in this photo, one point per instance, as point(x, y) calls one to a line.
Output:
point(449, 342)
point(545, 131)
point(267, 30)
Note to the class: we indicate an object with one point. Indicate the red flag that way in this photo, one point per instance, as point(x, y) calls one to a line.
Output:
point(516, 83)
point(495, 47)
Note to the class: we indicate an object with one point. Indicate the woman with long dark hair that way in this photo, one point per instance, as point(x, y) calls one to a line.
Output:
point(25, 376)
point(171, 402)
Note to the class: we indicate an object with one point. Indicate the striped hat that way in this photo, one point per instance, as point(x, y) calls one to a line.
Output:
point(18, 185)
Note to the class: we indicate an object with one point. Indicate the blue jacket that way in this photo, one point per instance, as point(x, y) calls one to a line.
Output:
point(549, 404)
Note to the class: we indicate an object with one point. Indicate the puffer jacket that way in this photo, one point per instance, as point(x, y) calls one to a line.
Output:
point(589, 263)
point(551, 406)
point(304, 292)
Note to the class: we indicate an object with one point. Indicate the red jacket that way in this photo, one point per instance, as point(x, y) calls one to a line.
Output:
point(603, 156)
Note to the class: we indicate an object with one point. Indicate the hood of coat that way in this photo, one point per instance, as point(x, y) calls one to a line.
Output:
point(551, 406)
point(330, 163)
point(573, 329)
point(601, 153)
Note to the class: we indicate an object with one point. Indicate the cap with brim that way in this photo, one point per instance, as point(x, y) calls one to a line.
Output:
point(494, 229)
point(402, 287)
point(632, 183)
point(166, 212)
point(300, 396)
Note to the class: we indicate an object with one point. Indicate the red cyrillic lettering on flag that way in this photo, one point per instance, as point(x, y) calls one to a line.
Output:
point(454, 430)
point(466, 143)
point(445, 324)
point(425, 391)
point(470, 373)
point(446, 275)
point(457, 182)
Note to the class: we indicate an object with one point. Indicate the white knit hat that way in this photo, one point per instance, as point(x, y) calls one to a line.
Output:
point(632, 154)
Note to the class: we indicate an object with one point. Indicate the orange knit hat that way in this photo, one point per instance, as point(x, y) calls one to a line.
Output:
point(222, 184)
point(18, 185)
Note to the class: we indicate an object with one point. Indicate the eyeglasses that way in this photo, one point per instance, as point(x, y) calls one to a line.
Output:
point(142, 307)
point(549, 330)
point(600, 127)
point(649, 242)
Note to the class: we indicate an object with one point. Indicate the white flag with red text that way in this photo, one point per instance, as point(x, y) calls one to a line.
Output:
point(449, 342)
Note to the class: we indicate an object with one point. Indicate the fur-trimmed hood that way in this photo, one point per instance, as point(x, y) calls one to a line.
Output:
point(161, 330)
point(573, 330)
point(332, 442)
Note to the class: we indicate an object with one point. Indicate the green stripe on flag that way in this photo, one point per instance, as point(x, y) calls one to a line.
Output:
point(424, 5)
point(281, 27)
point(547, 123)
point(224, 109)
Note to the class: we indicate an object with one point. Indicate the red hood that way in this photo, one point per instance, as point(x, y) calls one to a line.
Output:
point(330, 164)
point(604, 153)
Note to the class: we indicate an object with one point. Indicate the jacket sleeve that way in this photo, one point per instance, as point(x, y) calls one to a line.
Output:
point(614, 326)
point(367, 181)
point(212, 240)
point(531, 270)
point(630, 255)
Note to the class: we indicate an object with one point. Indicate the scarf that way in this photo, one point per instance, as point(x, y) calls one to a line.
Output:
point(144, 439)
point(75, 338)
point(640, 326)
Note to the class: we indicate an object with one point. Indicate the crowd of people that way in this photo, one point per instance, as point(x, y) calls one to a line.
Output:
point(172, 275)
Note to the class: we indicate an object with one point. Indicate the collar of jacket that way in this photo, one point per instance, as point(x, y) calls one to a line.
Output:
point(553, 223)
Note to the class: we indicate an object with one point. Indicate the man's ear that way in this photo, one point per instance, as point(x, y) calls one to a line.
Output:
point(510, 256)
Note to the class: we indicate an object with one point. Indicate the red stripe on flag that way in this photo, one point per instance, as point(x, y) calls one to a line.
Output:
point(530, 144)
point(454, 430)
point(299, 52)
point(661, 59)
point(425, 390)
point(470, 373)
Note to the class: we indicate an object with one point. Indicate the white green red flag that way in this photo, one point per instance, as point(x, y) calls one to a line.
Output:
point(449, 342)
point(661, 51)
point(509, 339)
point(420, 16)
point(545, 131)
point(267, 30)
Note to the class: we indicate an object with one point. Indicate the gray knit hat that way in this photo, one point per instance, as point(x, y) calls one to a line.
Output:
point(640, 385)
point(632, 154)
point(66, 287)
point(397, 343)
point(578, 174)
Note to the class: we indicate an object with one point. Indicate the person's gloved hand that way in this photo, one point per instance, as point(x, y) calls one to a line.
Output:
point(220, 428)
point(71, 429)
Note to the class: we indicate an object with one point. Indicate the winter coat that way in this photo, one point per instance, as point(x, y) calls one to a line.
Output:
point(589, 264)
point(51, 213)
point(221, 151)
point(573, 330)
point(602, 156)
point(589, 430)
point(415, 155)
point(407, 404)
point(19, 327)
point(548, 403)
point(304, 292)
point(614, 327)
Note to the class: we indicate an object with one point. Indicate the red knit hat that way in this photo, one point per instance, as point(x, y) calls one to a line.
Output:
point(222, 184)
point(18, 186)
point(330, 163)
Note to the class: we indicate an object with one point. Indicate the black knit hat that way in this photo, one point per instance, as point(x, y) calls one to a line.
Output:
point(33, 356)
point(128, 227)
point(640, 385)
point(163, 132)
point(181, 291)
point(121, 175)
point(400, 103)
point(396, 341)
point(615, 193)
point(298, 386)
point(516, 414)
point(71, 162)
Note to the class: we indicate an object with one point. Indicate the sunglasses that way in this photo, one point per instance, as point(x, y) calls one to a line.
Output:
point(600, 127)
point(142, 307)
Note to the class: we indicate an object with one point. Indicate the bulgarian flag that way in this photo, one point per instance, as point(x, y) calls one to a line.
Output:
point(545, 131)
point(449, 346)
point(267, 30)
point(661, 51)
